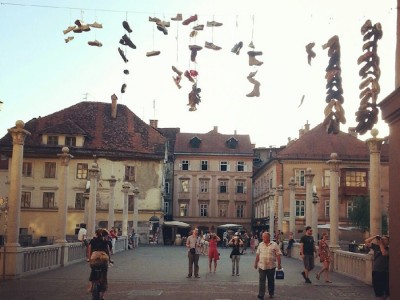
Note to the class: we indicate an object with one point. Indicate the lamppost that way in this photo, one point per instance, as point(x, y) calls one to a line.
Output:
point(315, 201)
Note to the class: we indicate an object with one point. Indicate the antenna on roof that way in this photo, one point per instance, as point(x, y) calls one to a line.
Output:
point(85, 96)
point(154, 108)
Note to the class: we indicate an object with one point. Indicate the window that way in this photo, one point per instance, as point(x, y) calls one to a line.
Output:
point(82, 171)
point(240, 166)
point(183, 209)
point(129, 173)
point(3, 162)
point(48, 200)
point(299, 178)
point(326, 208)
point(26, 199)
point(79, 201)
point(27, 169)
point(240, 187)
point(203, 186)
point(185, 185)
point(131, 202)
point(326, 182)
point(49, 170)
point(204, 165)
point(185, 165)
point(52, 140)
point(239, 210)
point(300, 208)
point(223, 166)
point(166, 208)
point(222, 209)
point(167, 188)
point(223, 186)
point(356, 178)
point(350, 207)
point(70, 141)
point(203, 210)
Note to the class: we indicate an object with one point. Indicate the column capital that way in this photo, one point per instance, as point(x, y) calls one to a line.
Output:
point(125, 187)
point(18, 133)
point(309, 175)
point(65, 157)
point(334, 162)
point(112, 181)
point(292, 183)
point(374, 143)
point(94, 171)
point(280, 190)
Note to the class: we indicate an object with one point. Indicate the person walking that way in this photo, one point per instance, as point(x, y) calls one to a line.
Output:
point(213, 253)
point(235, 243)
point(290, 245)
point(267, 256)
point(380, 268)
point(324, 257)
point(307, 251)
point(194, 250)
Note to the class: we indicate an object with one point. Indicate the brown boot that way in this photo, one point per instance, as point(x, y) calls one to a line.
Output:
point(256, 91)
point(254, 62)
point(152, 53)
point(177, 18)
point(177, 71)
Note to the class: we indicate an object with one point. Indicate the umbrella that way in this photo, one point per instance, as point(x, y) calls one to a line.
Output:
point(176, 224)
point(328, 226)
point(228, 226)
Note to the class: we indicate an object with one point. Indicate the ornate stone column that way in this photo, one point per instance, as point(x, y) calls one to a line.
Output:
point(334, 201)
point(111, 215)
point(309, 179)
point(136, 210)
point(280, 207)
point(292, 204)
point(93, 173)
point(375, 206)
point(272, 213)
point(18, 135)
point(125, 190)
point(65, 157)
point(86, 210)
point(314, 225)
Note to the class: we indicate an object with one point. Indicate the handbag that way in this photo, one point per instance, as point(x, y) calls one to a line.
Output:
point(279, 274)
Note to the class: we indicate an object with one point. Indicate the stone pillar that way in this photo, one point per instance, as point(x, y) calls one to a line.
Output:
point(86, 211)
point(272, 214)
point(111, 215)
point(292, 204)
point(93, 173)
point(280, 208)
point(136, 210)
point(125, 190)
point(334, 201)
point(309, 179)
point(65, 157)
point(18, 135)
point(375, 205)
point(390, 107)
point(314, 224)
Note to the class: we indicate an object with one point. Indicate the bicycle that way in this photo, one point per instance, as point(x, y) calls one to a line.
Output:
point(99, 283)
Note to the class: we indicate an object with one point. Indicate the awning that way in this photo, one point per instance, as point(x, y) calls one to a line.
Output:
point(176, 224)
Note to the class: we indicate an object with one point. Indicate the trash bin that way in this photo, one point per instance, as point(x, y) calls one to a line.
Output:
point(352, 247)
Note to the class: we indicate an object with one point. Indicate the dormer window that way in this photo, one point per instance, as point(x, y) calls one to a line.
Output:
point(70, 141)
point(52, 140)
point(232, 143)
point(195, 142)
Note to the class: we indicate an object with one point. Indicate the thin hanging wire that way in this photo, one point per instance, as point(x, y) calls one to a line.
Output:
point(252, 29)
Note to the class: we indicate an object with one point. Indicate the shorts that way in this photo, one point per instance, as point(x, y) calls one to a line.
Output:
point(308, 261)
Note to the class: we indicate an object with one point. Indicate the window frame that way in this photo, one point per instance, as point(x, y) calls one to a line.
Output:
point(49, 200)
point(70, 141)
point(300, 207)
point(80, 171)
point(203, 209)
point(27, 169)
point(223, 166)
point(50, 170)
point(204, 186)
point(183, 209)
point(223, 186)
point(300, 179)
point(79, 198)
point(26, 198)
point(130, 173)
point(241, 166)
point(185, 165)
point(53, 140)
point(240, 209)
point(204, 165)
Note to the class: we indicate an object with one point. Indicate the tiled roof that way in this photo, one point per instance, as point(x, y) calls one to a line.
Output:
point(170, 134)
point(317, 144)
point(213, 143)
point(126, 133)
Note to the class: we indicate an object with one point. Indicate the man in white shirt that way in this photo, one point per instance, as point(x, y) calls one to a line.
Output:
point(193, 245)
point(267, 255)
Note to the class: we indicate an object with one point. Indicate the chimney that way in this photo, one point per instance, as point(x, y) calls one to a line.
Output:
point(352, 131)
point(306, 127)
point(215, 129)
point(234, 132)
point(154, 123)
point(301, 132)
point(114, 99)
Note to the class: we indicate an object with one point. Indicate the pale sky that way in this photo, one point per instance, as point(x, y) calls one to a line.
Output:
point(41, 74)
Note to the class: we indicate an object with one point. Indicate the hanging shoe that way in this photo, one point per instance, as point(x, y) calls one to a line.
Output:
point(251, 45)
point(95, 43)
point(126, 72)
point(69, 29)
point(164, 23)
point(212, 46)
point(126, 26)
point(190, 20)
point(156, 20)
point(198, 27)
point(193, 73)
point(177, 71)
point(68, 39)
point(195, 47)
point(96, 25)
point(177, 18)
point(122, 55)
point(77, 29)
point(237, 47)
point(252, 58)
point(213, 24)
point(162, 29)
point(193, 33)
point(256, 91)
point(127, 41)
point(123, 87)
point(152, 53)
point(177, 80)
point(187, 75)
point(193, 55)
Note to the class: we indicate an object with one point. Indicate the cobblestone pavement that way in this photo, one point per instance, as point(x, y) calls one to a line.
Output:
point(159, 272)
